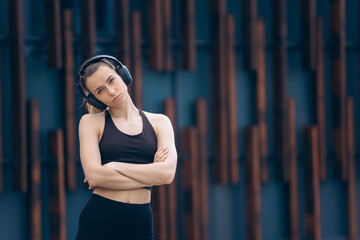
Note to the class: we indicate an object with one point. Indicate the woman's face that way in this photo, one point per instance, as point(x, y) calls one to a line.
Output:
point(107, 86)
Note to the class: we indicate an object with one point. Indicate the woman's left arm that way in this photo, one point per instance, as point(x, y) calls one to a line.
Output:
point(156, 173)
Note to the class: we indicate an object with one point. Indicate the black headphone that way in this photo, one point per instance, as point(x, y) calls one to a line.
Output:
point(119, 68)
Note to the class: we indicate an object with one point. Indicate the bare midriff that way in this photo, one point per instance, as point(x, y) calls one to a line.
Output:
point(138, 196)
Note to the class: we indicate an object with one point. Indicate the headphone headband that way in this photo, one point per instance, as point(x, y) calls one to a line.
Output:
point(97, 58)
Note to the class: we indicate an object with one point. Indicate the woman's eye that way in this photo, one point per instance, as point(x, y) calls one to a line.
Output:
point(112, 79)
point(100, 91)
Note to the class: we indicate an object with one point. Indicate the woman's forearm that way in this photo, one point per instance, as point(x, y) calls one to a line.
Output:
point(158, 173)
point(108, 178)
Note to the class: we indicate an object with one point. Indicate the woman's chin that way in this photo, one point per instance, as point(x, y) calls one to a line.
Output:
point(117, 103)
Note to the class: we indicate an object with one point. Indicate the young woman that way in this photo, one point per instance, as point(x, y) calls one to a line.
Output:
point(123, 151)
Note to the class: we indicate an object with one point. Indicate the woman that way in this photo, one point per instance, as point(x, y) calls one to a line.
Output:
point(123, 151)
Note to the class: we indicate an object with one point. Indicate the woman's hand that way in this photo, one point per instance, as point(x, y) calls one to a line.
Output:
point(161, 154)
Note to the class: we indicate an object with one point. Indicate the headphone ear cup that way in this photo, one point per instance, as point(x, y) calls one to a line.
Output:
point(92, 100)
point(124, 74)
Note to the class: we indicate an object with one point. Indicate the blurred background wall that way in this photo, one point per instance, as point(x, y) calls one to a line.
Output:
point(263, 95)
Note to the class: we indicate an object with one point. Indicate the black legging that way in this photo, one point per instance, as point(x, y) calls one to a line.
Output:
point(106, 219)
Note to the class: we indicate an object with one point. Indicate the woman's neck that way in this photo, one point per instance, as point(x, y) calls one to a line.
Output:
point(125, 111)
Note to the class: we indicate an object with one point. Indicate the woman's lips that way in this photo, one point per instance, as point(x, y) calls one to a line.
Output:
point(116, 98)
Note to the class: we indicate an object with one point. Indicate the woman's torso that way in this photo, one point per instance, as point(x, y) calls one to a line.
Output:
point(137, 130)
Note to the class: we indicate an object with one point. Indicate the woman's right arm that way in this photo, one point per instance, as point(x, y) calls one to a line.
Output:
point(96, 174)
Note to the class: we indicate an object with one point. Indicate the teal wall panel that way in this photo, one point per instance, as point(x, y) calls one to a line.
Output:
point(227, 203)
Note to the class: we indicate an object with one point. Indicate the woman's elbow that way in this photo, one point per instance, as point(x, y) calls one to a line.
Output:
point(169, 176)
point(93, 178)
point(90, 181)
point(169, 179)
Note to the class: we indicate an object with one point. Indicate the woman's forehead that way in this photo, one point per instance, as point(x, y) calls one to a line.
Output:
point(99, 77)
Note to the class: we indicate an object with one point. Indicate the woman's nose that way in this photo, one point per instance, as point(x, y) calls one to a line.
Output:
point(111, 90)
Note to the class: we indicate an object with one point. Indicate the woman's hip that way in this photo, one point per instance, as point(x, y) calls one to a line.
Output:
point(109, 219)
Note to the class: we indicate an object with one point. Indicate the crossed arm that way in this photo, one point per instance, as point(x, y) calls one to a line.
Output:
point(160, 172)
point(121, 176)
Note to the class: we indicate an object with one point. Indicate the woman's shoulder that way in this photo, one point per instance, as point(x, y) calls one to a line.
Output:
point(156, 117)
point(92, 120)
point(159, 121)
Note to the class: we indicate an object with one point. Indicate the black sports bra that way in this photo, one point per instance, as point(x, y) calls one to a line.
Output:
point(117, 146)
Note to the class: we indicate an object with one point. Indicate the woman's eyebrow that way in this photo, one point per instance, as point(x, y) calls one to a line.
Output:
point(106, 81)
